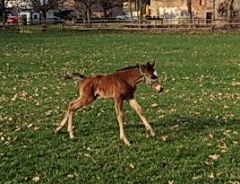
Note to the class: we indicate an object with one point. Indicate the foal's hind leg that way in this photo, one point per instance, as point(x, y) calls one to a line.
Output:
point(65, 119)
point(62, 124)
point(73, 107)
point(133, 103)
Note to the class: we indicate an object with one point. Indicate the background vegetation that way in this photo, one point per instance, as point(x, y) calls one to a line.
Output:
point(196, 119)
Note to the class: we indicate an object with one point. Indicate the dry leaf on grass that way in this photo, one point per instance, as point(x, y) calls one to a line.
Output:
point(131, 166)
point(235, 83)
point(211, 176)
point(165, 138)
point(154, 105)
point(36, 178)
point(210, 135)
point(87, 155)
point(30, 125)
point(214, 157)
point(196, 177)
point(174, 126)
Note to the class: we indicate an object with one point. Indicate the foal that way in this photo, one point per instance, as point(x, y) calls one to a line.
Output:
point(119, 86)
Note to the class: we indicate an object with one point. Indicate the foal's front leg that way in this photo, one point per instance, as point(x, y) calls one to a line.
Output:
point(120, 117)
point(138, 109)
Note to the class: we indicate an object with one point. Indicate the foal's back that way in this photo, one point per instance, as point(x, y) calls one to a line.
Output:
point(106, 86)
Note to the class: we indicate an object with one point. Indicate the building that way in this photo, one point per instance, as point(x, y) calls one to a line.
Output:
point(64, 5)
point(179, 9)
point(205, 9)
point(25, 10)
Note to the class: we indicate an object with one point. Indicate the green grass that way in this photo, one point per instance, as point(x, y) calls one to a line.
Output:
point(198, 114)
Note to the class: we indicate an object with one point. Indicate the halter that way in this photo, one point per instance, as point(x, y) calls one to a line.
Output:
point(146, 78)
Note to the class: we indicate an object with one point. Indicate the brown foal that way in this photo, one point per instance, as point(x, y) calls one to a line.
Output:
point(119, 86)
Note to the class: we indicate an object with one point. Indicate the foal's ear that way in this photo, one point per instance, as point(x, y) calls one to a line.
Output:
point(153, 64)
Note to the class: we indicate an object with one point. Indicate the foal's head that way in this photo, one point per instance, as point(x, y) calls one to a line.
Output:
point(151, 77)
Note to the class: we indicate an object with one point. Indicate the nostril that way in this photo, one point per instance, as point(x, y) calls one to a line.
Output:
point(161, 89)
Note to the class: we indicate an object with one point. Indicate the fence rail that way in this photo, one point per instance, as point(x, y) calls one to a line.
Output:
point(179, 24)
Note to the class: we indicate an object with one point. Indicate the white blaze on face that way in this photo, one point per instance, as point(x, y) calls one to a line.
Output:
point(155, 73)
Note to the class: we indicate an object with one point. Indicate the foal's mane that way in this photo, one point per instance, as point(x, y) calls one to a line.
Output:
point(128, 68)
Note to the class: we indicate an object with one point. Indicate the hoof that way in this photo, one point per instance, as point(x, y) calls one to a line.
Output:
point(71, 135)
point(126, 142)
point(151, 133)
point(57, 130)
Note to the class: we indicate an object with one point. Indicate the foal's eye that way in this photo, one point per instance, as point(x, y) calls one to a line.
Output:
point(154, 77)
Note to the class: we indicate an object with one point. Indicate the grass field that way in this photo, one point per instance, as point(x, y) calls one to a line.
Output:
point(197, 118)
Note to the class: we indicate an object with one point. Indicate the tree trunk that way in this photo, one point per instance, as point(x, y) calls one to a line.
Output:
point(88, 16)
point(44, 25)
point(4, 17)
point(214, 9)
point(130, 7)
point(189, 5)
point(138, 16)
point(230, 11)
point(105, 13)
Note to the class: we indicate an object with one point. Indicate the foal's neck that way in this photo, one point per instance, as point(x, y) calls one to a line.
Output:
point(133, 76)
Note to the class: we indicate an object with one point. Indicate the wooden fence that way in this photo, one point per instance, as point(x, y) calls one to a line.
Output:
point(154, 25)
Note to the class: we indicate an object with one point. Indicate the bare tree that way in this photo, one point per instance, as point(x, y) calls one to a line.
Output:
point(142, 6)
point(43, 6)
point(3, 5)
point(189, 6)
point(86, 7)
point(230, 10)
point(130, 8)
point(109, 4)
point(225, 9)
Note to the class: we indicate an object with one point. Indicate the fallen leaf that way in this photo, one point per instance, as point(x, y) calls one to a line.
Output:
point(30, 125)
point(235, 84)
point(14, 97)
point(223, 146)
point(211, 176)
point(173, 110)
point(36, 179)
point(17, 129)
point(161, 116)
point(131, 166)
point(210, 135)
point(225, 106)
point(174, 126)
point(208, 163)
point(214, 157)
point(70, 175)
point(196, 177)
point(164, 138)
point(87, 155)
point(36, 128)
point(154, 105)
point(48, 113)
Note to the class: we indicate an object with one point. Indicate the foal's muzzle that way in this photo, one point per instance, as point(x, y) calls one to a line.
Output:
point(161, 89)
point(158, 87)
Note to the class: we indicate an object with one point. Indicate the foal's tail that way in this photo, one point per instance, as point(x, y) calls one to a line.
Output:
point(74, 76)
